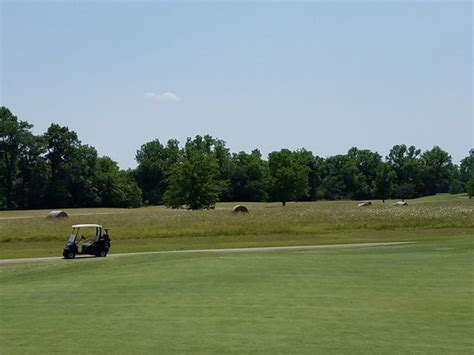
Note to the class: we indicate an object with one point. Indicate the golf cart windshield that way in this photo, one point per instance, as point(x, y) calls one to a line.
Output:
point(72, 238)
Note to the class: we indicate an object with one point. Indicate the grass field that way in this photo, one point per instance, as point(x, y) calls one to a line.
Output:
point(29, 233)
point(414, 298)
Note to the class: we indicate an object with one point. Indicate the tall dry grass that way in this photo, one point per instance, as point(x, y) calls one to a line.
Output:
point(263, 219)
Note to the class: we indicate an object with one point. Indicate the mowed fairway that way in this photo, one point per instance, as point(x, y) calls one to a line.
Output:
point(415, 298)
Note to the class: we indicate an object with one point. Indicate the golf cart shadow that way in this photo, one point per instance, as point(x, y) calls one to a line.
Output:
point(82, 257)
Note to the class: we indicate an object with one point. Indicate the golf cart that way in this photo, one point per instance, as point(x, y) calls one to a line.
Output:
point(95, 243)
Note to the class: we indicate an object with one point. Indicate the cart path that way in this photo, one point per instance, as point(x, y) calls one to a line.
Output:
point(232, 250)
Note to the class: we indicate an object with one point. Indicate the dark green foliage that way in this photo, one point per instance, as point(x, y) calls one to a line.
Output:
point(34, 174)
point(438, 171)
point(470, 186)
point(406, 190)
point(408, 168)
point(367, 164)
point(383, 183)
point(248, 177)
point(466, 169)
point(116, 188)
point(154, 163)
point(405, 162)
point(82, 185)
point(224, 160)
point(314, 164)
point(14, 138)
point(128, 191)
point(56, 170)
point(288, 176)
point(456, 187)
point(62, 145)
point(343, 180)
point(194, 181)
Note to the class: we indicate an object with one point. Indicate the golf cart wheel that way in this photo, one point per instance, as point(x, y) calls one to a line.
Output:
point(70, 255)
point(102, 254)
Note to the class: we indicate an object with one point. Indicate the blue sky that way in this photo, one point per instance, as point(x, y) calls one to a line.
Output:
point(321, 75)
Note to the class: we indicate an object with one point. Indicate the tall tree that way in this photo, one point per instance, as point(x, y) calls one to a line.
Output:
point(456, 186)
point(315, 166)
point(81, 184)
point(470, 186)
point(249, 176)
point(342, 179)
point(224, 160)
point(14, 138)
point(154, 163)
point(288, 176)
point(116, 188)
point(62, 145)
point(438, 171)
point(33, 175)
point(383, 183)
point(367, 162)
point(406, 164)
point(194, 180)
point(466, 169)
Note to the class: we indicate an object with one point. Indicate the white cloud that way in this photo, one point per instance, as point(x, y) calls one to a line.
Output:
point(163, 96)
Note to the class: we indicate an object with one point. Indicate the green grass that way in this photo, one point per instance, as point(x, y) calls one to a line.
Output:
point(29, 233)
point(442, 197)
point(407, 299)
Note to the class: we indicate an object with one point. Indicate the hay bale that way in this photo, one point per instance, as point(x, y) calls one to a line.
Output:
point(57, 214)
point(240, 209)
point(400, 204)
point(364, 204)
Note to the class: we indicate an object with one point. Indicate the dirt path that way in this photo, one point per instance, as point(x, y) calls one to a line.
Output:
point(233, 250)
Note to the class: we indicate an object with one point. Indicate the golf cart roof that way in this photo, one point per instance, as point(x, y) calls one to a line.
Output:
point(86, 226)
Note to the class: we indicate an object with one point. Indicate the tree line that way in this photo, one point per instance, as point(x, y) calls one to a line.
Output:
point(56, 170)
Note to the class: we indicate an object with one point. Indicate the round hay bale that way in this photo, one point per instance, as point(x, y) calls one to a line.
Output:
point(240, 209)
point(364, 204)
point(400, 204)
point(57, 214)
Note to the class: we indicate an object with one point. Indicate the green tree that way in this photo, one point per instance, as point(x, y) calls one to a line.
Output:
point(288, 176)
point(342, 179)
point(367, 163)
point(194, 179)
point(116, 188)
point(456, 186)
point(33, 175)
point(248, 177)
point(131, 191)
point(470, 186)
point(406, 164)
point(62, 145)
point(466, 169)
point(81, 184)
point(383, 182)
point(224, 160)
point(438, 171)
point(154, 164)
point(314, 164)
point(14, 138)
